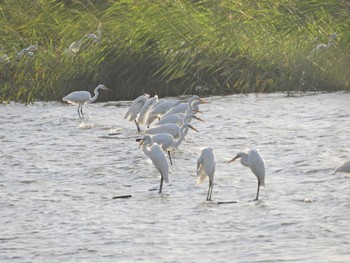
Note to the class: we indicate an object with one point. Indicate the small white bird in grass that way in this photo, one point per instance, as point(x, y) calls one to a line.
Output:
point(345, 168)
point(253, 160)
point(206, 168)
point(83, 97)
point(158, 158)
point(135, 108)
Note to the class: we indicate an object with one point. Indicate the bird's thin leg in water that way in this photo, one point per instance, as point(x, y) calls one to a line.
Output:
point(137, 126)
point(211, 190)
point(161, 184)
point(257, 193)
point(81, 110)
point(208, 199)
point(171, 162)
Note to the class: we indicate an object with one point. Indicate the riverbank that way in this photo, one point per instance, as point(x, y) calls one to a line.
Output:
point(172, 48)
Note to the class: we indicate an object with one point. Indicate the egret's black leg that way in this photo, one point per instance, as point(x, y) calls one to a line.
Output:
point(171, 162)
point(208, 195)
point(161, 185)
point(137, 126)
point(211, 190)
point(81, 110)
point(257, 193)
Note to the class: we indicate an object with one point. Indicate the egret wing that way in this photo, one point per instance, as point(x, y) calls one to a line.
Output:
point(159, 161)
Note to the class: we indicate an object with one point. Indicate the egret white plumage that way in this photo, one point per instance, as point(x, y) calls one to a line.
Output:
point(158, 158)
point(344, 168)
point(163, 106)
point(179, 119)
point(206, 169)
point(135, 108)
point(168, 142)
point(29, 51)
point(86, 40)
point(170, 128)
point(324, 46)
point(159, 108)
point(185, 106)
point(144, 112)
point(254, 161)
point(83, 97)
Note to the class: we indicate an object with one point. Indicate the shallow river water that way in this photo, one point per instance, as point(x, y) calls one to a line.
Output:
point(59, 175)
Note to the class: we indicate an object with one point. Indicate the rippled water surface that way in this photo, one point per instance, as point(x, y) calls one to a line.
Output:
point(59, 175)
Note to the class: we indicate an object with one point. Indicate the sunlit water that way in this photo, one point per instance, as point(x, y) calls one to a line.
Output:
point(59, 175)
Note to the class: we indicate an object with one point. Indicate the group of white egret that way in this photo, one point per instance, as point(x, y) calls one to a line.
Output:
point(170, 120)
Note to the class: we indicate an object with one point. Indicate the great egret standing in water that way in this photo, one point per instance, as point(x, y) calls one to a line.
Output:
point(135, 108)
point(158, 158)
point(253, 160)
point(83, 97)
point(168, 142)
point(206, 168)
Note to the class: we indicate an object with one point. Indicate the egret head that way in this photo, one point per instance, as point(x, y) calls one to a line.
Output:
point(147, 139)
point(101, 86)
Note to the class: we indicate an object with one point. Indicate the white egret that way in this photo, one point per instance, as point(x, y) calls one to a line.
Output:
point(168, 142)
point(135, 108)
point(159, 108)
point(29, 51)
point(324, 46)
point(254, 161)
point(85, 41)
point(170, 128)
point(178, 118)
point(158, 158)
point(83, 97)
point(144, 112)
point(206, 169)
point(185, 106)
point(345, 168)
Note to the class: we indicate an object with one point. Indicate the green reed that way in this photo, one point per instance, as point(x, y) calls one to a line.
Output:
point(173, 47)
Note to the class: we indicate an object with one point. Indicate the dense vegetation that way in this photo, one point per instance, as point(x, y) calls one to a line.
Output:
point(172, 47)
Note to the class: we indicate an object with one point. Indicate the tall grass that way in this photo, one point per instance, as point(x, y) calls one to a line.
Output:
point(173, 47)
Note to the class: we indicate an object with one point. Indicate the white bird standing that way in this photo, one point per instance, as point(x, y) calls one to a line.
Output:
point(170, 128)
point(206, 169)
point(186, 106)
point(158, 158)
point(178, 118)
point(159, 108)
point(144, 112)
point(83, 97)
point(254, 161)
point(168, 142)
point(135, 108)
point(345, 168)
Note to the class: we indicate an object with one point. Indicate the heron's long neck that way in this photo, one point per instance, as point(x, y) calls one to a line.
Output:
point(245, 159)
point(187, 119)
point(182, 136)
point(145, 149)
point(95, 96)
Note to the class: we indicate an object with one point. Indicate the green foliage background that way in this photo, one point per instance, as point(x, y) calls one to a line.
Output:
point(173, 47)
